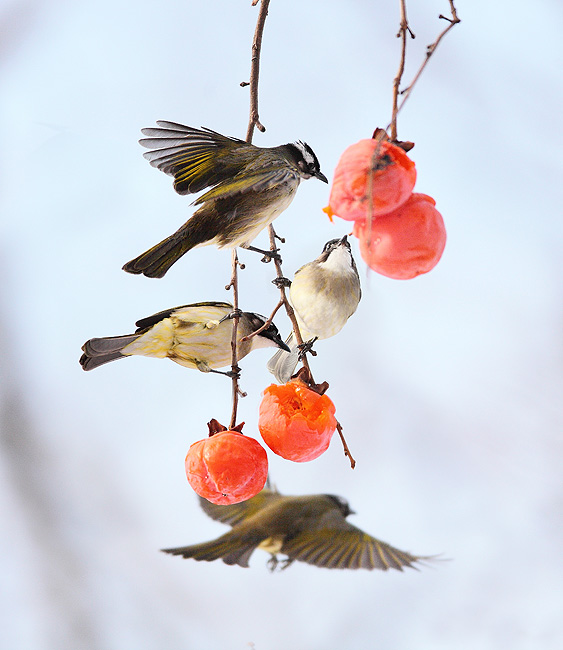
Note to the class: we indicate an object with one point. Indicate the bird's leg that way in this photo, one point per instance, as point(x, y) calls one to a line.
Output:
point(232, 374)
point(272, 563)
point(268, 255)
point(307, 347)
point(281, 282)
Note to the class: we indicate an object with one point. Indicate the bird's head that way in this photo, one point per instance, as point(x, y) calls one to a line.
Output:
point(342, 504)
point(305, 159)
point(268, 337)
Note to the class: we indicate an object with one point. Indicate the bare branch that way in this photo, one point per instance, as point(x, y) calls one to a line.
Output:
point(454, 20)
point(236, 392)
point(284, 299)
point(402, 34)
point(254, 120)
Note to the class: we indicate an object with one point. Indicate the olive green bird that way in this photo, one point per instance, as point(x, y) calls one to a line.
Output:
point(250, 187)
point(310, 528)
point(195, 336)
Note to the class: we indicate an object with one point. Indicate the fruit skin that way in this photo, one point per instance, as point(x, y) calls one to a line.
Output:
point(392, 184)
point(227, 467)
point(406, 242)
point(296, 422)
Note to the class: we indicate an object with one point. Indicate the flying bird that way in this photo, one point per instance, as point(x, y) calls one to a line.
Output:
point(311, 528)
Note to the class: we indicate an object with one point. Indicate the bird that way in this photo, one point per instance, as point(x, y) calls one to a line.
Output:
point(324, 294)
point(250, 187)
point(195, 336)
point(309, 528)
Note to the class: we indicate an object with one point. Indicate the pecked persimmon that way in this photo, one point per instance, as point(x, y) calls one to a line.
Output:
point(227, 467)
point(296, 422)
point(392, 181)
point(406, 242)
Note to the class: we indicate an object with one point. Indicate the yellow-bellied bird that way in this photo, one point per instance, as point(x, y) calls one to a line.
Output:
point(250, 185)
point(195, 336)
point(311, 529)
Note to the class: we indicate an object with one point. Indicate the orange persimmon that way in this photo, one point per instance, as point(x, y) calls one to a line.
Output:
point(406, 242)
point(392, 181)
point(227, 467)
point(296, 422)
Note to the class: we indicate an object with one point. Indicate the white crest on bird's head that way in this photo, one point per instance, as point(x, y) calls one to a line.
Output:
point(305, 159)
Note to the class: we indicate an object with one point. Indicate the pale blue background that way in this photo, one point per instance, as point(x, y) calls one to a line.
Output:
point(449, 386)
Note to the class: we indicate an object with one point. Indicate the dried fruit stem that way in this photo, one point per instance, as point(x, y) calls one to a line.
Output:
point(345, 445)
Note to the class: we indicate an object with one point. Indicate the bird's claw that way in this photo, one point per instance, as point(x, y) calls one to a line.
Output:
point(234, 373)
point(271, 255)
point(236, 313)
point(281, 282)
point(307, 347)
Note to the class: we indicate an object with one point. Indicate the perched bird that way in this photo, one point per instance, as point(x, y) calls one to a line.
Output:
point(324, 294)
point(311, 528)
point(250, 185)
point(195, 336)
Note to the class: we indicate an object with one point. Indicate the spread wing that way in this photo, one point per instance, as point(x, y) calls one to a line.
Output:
point(267, 179)
point(237, 512)
point(340, 545)
point(197, 158)
point(203, 315)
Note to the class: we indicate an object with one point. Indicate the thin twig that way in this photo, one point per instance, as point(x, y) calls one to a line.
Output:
point(392, 126)
point(254, 120)
point(402, 34)
point(345, 445)
point(285, 300)
point(454, 20)
point(266, 324)
point(236, 392)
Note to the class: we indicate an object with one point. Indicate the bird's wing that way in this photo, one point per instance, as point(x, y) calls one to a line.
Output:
point(197, 158)
point(344, 546)
point(266, 179)
point(237, 512)
point(150, 321)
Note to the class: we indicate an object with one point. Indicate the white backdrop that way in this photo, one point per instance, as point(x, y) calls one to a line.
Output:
point(448, 386)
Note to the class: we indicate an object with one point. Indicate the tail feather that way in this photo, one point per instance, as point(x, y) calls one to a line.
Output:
point(228, 547)
point(97, 352)
point(155, 262)
point(282, 365)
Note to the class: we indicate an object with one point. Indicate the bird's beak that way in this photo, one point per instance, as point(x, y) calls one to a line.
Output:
point(277, 339)
point(282, 345)
point(321, 177)
point(344, 239)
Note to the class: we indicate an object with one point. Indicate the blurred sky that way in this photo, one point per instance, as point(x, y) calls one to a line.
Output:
point(448, 386)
